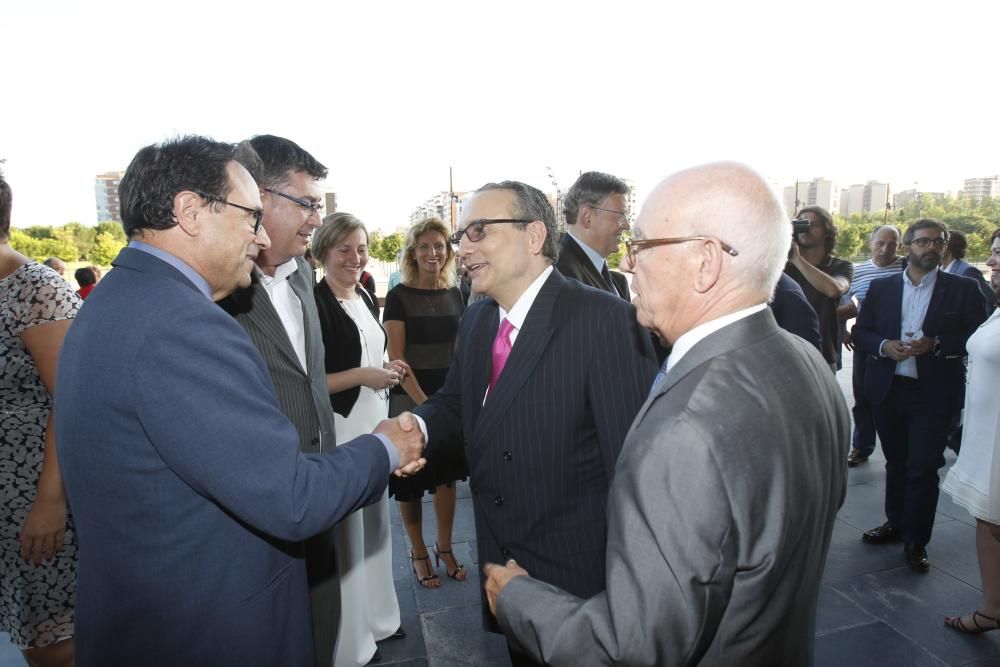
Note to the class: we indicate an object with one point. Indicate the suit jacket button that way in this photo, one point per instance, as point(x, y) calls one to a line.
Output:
point(507, 456)
point(315, 442)
point(505, 552)
point(498, 501)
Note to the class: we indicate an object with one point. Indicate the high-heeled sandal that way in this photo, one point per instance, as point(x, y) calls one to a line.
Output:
point(955, 623)
point(431, 580)
point(459, 573)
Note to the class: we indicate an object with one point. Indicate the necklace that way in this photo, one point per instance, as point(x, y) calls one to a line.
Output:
point(381, 393)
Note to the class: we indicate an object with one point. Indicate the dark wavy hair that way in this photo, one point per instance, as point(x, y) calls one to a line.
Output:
point(531, 204)
point(270, 159)
point(829, 229)
point(159, 172)
point(591, 189)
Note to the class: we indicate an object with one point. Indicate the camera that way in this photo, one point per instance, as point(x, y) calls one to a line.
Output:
point(800, 226)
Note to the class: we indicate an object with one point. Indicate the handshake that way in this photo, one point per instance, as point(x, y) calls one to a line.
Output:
point(406, 436)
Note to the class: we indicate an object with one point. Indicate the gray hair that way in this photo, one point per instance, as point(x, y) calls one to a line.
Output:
point(531, 204)
point(590, 190)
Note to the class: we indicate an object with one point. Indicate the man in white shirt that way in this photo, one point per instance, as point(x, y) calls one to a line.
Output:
point(546, 379)
point(724, 495)
point(279, 314)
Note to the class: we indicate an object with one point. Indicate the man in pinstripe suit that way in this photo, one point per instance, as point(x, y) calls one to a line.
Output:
point(279, 314)
point(545, 407)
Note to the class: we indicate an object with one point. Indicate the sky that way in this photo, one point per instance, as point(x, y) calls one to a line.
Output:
point(389, 95)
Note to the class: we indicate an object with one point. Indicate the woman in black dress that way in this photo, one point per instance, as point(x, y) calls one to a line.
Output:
point(421, 317)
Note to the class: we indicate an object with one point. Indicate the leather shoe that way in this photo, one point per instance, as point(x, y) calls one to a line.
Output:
point(884, 534)
point(916, 558)
point(856, 458)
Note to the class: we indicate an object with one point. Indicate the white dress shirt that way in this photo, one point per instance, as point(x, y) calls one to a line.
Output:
point(691, 338)
point(916, 298)
point(288, 306)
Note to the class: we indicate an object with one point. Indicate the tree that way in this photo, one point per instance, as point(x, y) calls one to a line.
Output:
point(114, 228)
point(390, 246)
point(40, 249)
point(83, 237)
point(106, 248)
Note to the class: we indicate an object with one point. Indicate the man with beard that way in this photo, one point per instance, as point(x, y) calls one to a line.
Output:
point(823, 277)
point(912, 329)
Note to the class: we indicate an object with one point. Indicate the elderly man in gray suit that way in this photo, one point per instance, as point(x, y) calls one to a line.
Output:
point(725, 493)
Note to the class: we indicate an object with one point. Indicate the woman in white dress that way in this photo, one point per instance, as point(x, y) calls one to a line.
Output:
point(974, 481)
point(358, 378)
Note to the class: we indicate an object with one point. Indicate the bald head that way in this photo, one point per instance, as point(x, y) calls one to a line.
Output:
point(731, 205)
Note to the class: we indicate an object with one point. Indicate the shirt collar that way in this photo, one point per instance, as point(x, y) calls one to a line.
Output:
point(927, 281)
point(519, 311)
point(174, 261)
point(281, 273)
point(592, 254)
point(691, 338)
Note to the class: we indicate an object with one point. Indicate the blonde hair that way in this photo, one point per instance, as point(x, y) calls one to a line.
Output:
point(409, 266)
point(335, 227)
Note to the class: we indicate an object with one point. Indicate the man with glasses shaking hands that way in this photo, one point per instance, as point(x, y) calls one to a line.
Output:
point(546, 379)
point(725, 493)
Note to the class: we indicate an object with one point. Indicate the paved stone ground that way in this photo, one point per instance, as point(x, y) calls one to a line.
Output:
point(872, 609)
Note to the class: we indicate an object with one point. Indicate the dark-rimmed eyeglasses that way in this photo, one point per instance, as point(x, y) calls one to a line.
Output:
point(924, 242)
point(257, 213)
point(476, 230)
point(622, 215)
point(633, 246)
point(312, 207)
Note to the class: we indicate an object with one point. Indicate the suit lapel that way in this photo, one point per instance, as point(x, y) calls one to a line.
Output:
point(265, 318)
point(532, 339)
point(595, 279)
point(937, 296)
point(479, 348)
point(304, 291)
point(739, 334)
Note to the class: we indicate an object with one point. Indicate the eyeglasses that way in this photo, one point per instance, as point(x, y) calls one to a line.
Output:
point(257, 213)
point(622, 215)
point(924, 242)
point(312, 207)
point(633, 246)
point(476, 230)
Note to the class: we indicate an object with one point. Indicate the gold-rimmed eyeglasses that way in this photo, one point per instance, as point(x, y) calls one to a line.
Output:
point(632, 246)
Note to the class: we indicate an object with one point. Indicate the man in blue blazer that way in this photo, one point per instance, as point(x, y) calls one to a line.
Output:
point(187, 485)
point(953, 261)
point(912, 328)
point(547, 377)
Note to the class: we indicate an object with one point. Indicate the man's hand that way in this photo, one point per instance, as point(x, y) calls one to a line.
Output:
point(498, 576)
point(921, 346)
point(406, 437)
point(848, 341)
point(896, 350)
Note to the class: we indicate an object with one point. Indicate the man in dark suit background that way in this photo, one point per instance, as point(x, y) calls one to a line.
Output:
point(912, 328)
point(596, 210)
point(187, 484)
point(953, 261)
point(547, 377)
point(279, 314)
point(727, 487)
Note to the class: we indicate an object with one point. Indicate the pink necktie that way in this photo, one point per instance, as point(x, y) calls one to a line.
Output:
point(501, 350)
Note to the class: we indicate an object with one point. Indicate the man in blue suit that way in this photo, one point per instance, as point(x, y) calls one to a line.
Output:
point(546, 380)
point(953, 261)
point(187, 485)
point(912, 329)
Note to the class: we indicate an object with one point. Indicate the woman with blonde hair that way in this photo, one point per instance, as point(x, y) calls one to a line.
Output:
point(421, 317)
point(358, 379)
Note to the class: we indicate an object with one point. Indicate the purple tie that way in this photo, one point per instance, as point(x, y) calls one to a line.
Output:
point(501, 350)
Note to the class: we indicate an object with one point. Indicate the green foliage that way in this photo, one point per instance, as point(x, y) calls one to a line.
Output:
point(976, 219)
point(106, 248)
point(40, 249)
point(390, 245)
point(375, 244)
point(114, 228)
